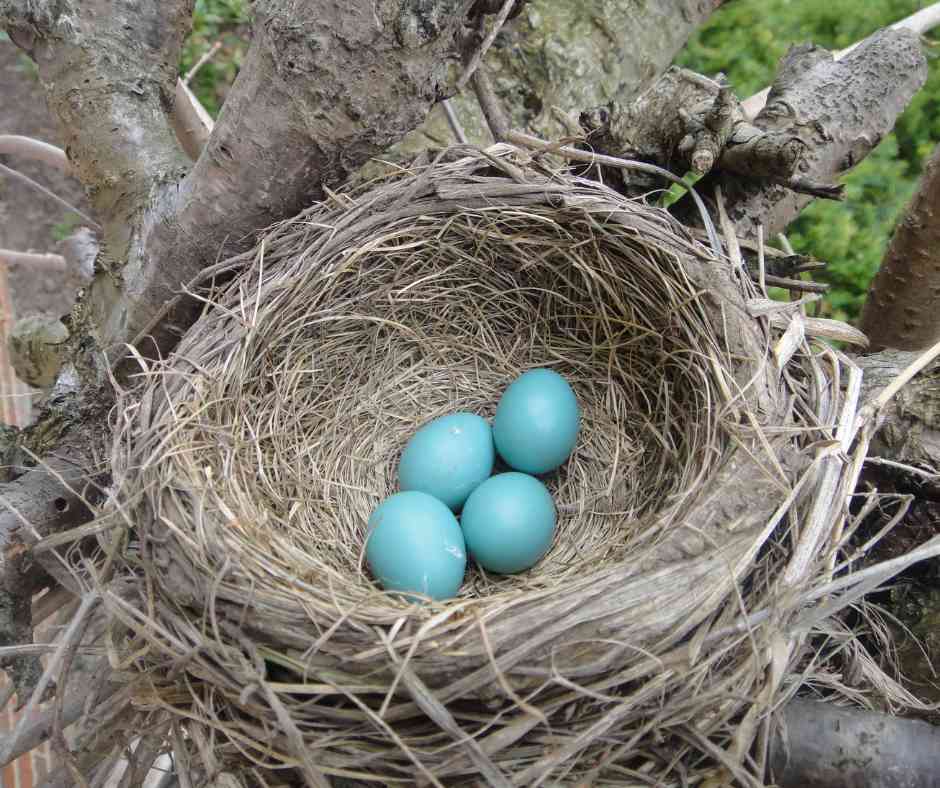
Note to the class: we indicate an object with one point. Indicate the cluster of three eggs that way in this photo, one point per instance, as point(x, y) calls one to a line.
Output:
point(507, 521)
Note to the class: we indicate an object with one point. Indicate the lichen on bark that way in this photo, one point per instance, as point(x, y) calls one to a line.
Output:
point(569, 54)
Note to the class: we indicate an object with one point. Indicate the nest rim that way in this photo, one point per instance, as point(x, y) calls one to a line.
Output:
point(334, 241)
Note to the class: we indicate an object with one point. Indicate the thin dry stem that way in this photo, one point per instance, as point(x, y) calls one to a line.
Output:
point(9, 171)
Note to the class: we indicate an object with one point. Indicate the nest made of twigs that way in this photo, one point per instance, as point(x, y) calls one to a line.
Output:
point(647, 647)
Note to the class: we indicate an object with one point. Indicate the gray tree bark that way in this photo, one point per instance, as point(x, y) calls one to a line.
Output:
point(827, 747)
point(910, 431)
point(840, 109)
point(900, 311)
point(822, 117)
point(570, 54)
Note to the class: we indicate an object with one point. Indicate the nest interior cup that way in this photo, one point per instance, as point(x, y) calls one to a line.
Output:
point(256, 454)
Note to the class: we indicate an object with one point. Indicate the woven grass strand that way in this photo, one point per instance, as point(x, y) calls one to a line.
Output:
point(248, 463)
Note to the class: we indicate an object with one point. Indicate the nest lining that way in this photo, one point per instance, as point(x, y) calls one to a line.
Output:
point(256, 454)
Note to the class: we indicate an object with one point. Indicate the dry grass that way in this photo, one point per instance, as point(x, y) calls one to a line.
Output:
point(703, 507)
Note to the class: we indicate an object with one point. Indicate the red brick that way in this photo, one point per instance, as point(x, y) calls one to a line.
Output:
point(9, 776)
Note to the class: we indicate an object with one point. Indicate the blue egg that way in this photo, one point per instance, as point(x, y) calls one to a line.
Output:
point(537, 421)
point(448, 458)
point(415, 544)
point(508, 522)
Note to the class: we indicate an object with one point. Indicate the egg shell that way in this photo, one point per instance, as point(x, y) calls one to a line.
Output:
point(448, 458)
point(537, 422)
point(508, 522)
point(415, 544)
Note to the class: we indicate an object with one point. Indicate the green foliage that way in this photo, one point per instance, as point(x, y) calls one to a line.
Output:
point(745, 39)
point(852, 236)
point(225, 22)
point(63, 228)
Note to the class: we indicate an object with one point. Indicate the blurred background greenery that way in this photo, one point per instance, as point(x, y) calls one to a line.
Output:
point(222, 22)
point(744, 39)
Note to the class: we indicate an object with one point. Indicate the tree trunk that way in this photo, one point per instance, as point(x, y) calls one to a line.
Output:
point(901, 309)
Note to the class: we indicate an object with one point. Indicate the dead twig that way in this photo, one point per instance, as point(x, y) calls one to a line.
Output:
point(30, 148)
point(203, 59)
point(11, 742)
point(454, 122)
point(48, 193)
point(477, 57)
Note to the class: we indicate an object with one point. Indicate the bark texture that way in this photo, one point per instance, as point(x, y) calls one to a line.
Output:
point(839, 109)
point(910, 431)
point(43, 500)
point(321, 91)
point(570, 54)
point(827, 747)
point(109, 73)
point(318, 95)
point(901, 309)
point(687, 122)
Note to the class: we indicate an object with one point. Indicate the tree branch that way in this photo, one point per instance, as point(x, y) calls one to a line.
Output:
point(318, 95)
point(110, 86)
point(910, 428)
point(901, 309)
point(90, 685)
point(619, 49)
point(56, 261)
point(826, 746)
point(29, 148)
point(43, 501)
point(191, 122)
point(919, 22)
point(839, 109)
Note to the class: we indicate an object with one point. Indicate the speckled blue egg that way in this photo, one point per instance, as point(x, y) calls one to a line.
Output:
point(415, 544)
point(508, 522)
point(448, 458)
point(537, 422)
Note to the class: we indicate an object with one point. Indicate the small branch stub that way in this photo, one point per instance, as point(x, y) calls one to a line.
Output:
point(37, 349)
point(689, 123)
point(836, 129)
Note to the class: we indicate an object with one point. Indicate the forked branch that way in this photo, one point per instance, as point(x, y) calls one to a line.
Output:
point(302, 114)
point(839, 110)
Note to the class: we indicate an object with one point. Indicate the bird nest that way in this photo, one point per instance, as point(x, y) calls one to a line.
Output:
point(696, 515)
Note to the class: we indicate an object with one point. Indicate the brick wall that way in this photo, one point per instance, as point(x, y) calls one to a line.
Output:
point(15, 397)
point(32, 768)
